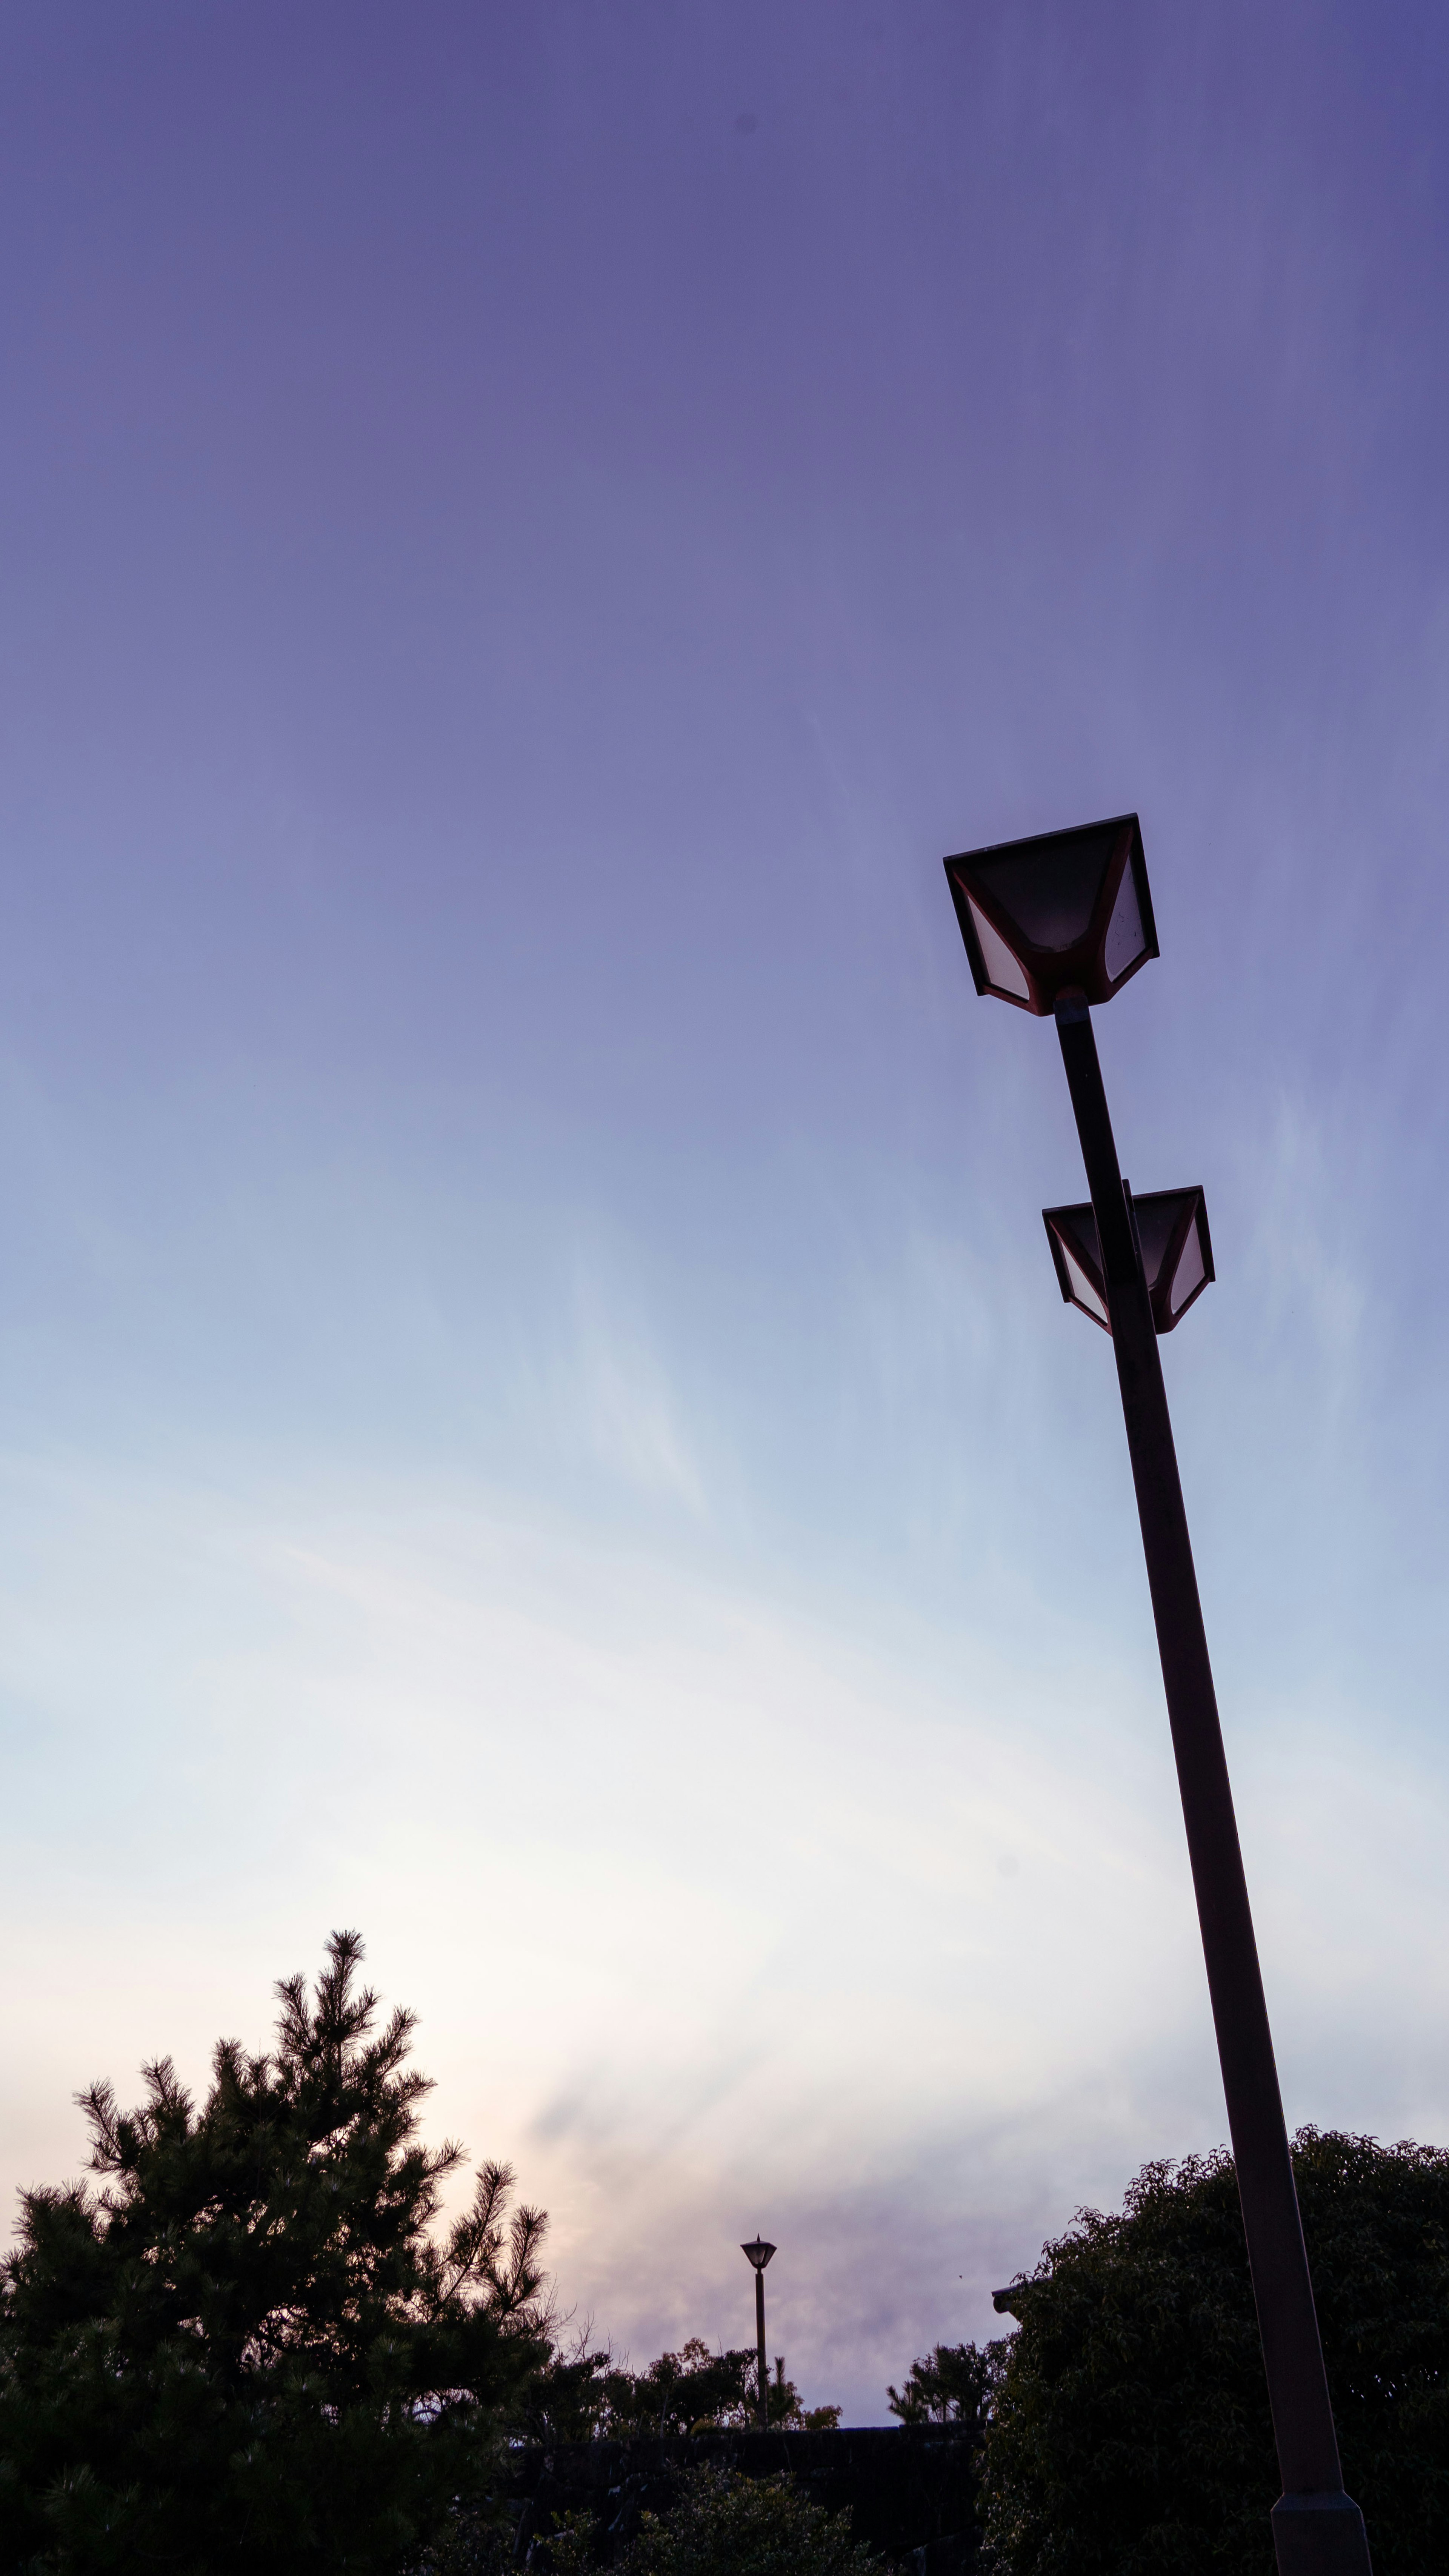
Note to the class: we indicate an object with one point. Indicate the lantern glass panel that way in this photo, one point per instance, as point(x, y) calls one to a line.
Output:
point(1001, 967)
point(1050, 893)
point(1190, 1273)
point(1076, 1230)
point(1083, 1293)
point(1126, 939)
point(1158, 1217)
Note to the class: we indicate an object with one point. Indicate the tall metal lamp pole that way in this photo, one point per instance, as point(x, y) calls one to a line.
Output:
point(759, 2254)
point(1054, 925)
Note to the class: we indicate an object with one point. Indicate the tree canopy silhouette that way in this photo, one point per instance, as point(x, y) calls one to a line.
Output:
point(248, 2343)
point(585, 2395)
point(951, 2385)
point(1130, 2427)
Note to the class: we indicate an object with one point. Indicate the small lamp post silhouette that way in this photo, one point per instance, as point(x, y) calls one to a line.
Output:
point(1054, 925)
point(759, 2254)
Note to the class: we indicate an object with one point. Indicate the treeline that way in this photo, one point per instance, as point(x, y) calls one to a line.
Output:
point(581, 2395)
point(248, 2341)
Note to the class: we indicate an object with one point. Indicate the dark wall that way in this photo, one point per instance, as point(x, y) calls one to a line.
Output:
point(906, 2488)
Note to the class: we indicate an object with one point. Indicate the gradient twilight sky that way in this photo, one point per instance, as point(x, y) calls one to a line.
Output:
point(537, 1419)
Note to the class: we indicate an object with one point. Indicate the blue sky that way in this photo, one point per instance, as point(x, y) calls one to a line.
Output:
point(536, 1414)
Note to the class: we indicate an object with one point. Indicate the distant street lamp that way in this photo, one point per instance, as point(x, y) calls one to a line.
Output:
point(1053, 925)
point(759, 2254)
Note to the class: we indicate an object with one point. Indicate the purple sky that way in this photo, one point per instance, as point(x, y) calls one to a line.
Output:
point(536, 1414)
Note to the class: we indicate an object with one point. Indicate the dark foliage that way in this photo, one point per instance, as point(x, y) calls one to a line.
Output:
point(1131, 2429)
point(248, 2348)
point(951, 2385)
point(583, 2396)
point(724, 2525)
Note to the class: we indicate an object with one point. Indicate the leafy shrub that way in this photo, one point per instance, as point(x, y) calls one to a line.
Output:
point(719, 2524)
point(732, 2526)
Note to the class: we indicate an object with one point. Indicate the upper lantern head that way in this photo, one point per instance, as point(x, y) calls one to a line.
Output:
point(759, 2253)
point(1177, 1254)
point(1063, 912)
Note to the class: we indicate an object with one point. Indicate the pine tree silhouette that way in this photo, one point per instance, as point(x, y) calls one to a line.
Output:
point(249, 2345)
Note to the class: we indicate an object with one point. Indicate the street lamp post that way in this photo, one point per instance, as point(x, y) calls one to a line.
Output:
point(759, 2254)
point(1054, 925)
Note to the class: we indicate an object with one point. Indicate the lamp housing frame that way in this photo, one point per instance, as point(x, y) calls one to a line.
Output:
point(1114, 847)
point(1073, 1230)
